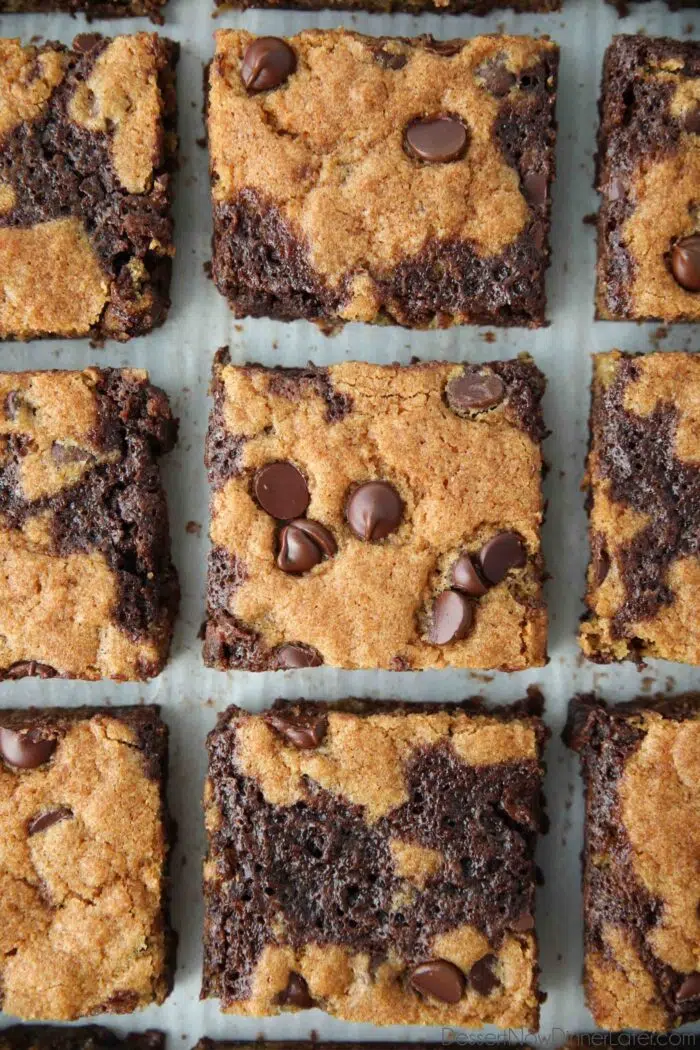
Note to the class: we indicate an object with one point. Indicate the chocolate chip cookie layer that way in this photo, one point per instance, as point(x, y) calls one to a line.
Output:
point(84, 851)
point(649, 181)
point(376, 517)
point(644, 509)
point(87, 585)
point(375, 860)
point(641, 884)
point(87, 151)
point(425, 202)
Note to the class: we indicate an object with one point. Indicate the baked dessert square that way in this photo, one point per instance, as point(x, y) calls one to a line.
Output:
point(84, 851)
point(92, 8)
point(376, 517)
point(86, 1037)
point(643, 482)
point(640, 860)
point(648, 177)
point(87, 152)
point(471, 7)
point(384, 180)
point(624, 6)
point(375, 860)
point(87, 585)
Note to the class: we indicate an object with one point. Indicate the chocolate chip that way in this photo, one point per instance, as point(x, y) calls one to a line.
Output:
point(30, 669)
point(292, 657)
point(523, 923)
point(303, 732)
point(281, 490)
point(500, 554)
point(389, 59)
point(25, 750)
point(690, 989)
point(297, 552)
point(481, 976)
point(437, 140)
point(465, 577)
point(536, 188)
point(439, 978)
point(47, 820)
point(297, 993)
point(474, 390)
point(445, 48)
point(497, 78)
point(70, 453)
point(267, 63)
point(685, 263)
point(374, 510)
point(453, 616)
point(691, 122)
point(85, 42)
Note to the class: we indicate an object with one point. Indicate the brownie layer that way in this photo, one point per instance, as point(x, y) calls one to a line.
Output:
point(348, 844)
point(84, 851)
point(84, 525)
point(641, 885)
point(86, 1037)
point(624, 7)
point(326, 227)
point(92, 8)
point(649, 178)
point(471, 7)
point(86, 186)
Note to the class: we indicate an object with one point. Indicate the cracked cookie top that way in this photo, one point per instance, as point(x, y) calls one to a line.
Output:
point(83, 862)
point(391, 874)
point(368, 516)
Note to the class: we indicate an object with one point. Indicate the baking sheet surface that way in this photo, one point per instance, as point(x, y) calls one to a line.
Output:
point(179, 358)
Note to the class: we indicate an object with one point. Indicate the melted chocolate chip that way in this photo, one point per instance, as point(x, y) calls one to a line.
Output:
point(691, 122)
point(389, 59)
point(453, 616)
point(685, 263)
point(63, 453)
point(497, 78)
point(445, 48)
point(500, 554)
point(465, 577)
point(30, 669)
point(267, 63)
point(303, 733)
point(25, 750)
point(439, 978)
point(690, 989)
point(47, 820)
point(437, 140)
point(297, 993)
point(303, 543)
point(481, 976)
point(281, 490)
point(374, 510)
point(523, 923)
point(536, 188)
point(474, 390)
point(293, 657)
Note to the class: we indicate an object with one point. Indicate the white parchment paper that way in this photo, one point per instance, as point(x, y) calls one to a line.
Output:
point(179, 358)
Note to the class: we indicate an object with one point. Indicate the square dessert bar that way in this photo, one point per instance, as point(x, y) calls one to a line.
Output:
point(649, 180)
point(87, 585)
point(471, 7)
point(383, 180)
point(86, 1037)
point(87, 150)
point(84, 850)
point(641, 883)
point(376, 517)
point(643, 482)
point(92, 8)
point(375, 860)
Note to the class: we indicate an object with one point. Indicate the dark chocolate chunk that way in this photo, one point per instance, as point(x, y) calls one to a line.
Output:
point(446, 48)
point(63, 453)
point(474, 389)
point(48, 819)
point(267, 63)
point(690, 989)
point(481, 976)
point(523, 923)
point(691, 122)
point(281, 490)
point(453, 616)
point(496, 77)
point(303, 733)
point(389, 59)
point(25, 750)
point(685, 263)
point(297, 552)
point(322, 537)
point(292, 657)
point(465, 577)
point(536, 188)
point(374, 510)
point(499, 555)
point(439, 978)
point(297, 993)
point(437, 140)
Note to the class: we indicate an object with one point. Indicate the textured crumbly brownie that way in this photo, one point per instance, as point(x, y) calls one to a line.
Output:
point(87, 586)
point(87, 150)
point(453, 7)
point(84, 850)
point(375, 860)
point(92, 8)
point(641, 883)
point(643, 480)
point(384, 180)
point(376, 517)
point(624, 6)
point(649, 181)
point(87, 1037)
